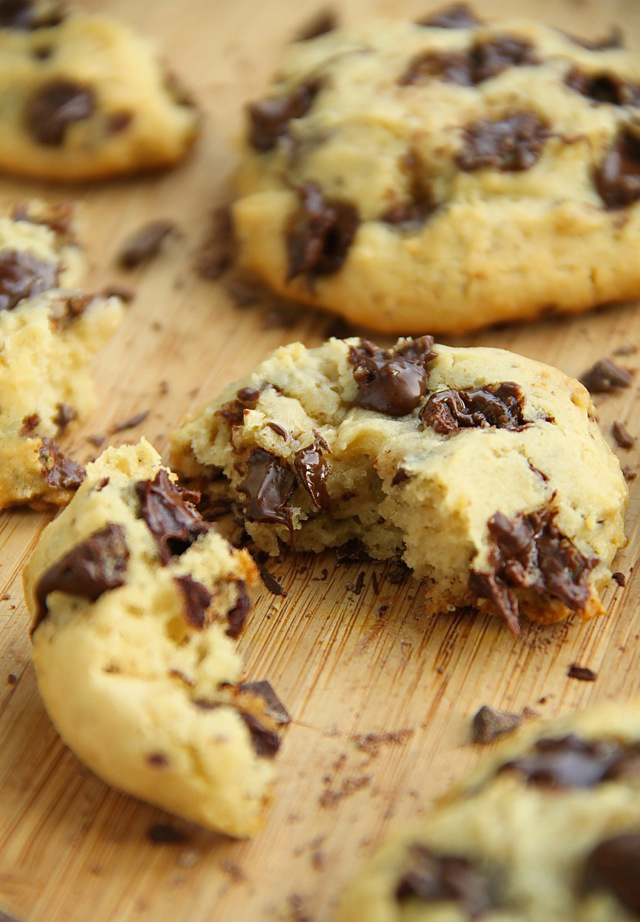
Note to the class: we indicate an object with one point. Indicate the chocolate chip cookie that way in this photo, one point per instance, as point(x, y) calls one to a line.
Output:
point(83, 97)
point(135, 603)
point(484, 471)
point(547, 830)
point(445, 174)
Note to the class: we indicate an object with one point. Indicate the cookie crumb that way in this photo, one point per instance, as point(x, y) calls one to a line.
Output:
point(130, 423)
point(606, 376)
point(489, 724)
point(144, 244)
point(622, 436)
point(583, 673)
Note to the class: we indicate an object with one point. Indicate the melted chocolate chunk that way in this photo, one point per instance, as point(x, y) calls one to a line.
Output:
point(170, 515)
point(24, 15)
point(311, 469)
point(269, 118)
point(617, 178)
point(529, 552)
point(268, 485)
point(456, 16)
point(237, 615)
point(54, 107)
point(197, 599)
point(23, 275)
point(410, 215)
point(603, 87)
point(273, 707)
point(606, 376)
point(233, 412)
point(614, 865)
point(494, 405)
point(324, 21)
point(94, 566)
point(320, 234)
point(56, 215)
point(265, 741)
point(568, 762)
point(60, 472)
point(391, 381)
point(481, 62)
point(65, 414)
point(444, 878)
point(512, 143)
point(450, 66)
point(144, 244)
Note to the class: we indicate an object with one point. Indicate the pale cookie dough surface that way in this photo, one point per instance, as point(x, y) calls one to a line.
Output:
point(135, 600)
point(412, 177)
point(83, 97)
point(519, 504)
point(546, 830)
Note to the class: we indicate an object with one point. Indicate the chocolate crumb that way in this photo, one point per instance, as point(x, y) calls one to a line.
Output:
point(583, 673)
point(130, 423)
point(606, 376)
point(29, 425)
point(622, 436)
point(358, 586)
point(273, 707)
point(619, 578)
point(96, 440)
point(398, 572)
point(12, 679)
point(628, 473)
point(65, 414)
point(157, 760)
point(271, 582)
point(489, 724)
point(163, 834)
point(144, 244)
point(197, 599)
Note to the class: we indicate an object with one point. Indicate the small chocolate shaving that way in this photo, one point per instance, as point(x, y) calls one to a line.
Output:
point(60, 472)
point(274, 708)
point(489, 724)
point(312, 469)
point(144, 244)
point(622, 436)
point(197, 599)
point(583, 673)
point(92, 567)
point(456, 16)
point(399, 477)
point(511, 143)
point(628, 473)
point(606, 376)
point(358, 586)
point(268, 485)
point(493, 405)
point(265, 741)
point(320, 234)
point(443, 878)
point(391, 381)
point(54, 107)
point(270, 581)
point(23, 275)
point(130, 423)
point(170, 515)
point(325, 20)
point(614, 865)
point(236, 616)
point(617, 178)
point(269, 118)
point(163, 834)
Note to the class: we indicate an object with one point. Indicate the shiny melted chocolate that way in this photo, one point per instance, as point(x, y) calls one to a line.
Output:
point(391, 381)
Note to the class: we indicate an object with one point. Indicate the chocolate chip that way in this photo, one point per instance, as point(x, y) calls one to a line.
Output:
point(269, 118)
point(456, 16)
point(117, 122)
point(163, 834)
point(236, 616)
point(312, 469)
point(54, 107)
point(617, 178)
point(622, 436)
point(25, 15)
point(399, 477)
point(157, 760)
point(60, 472)
point(529, 552)
point(130, 423)
point(411, 214)
point(430, 877)
point(489, 724)
point(484, 60)
point(603, 87)
point(29, 425)
point(23, 275)
point(614, 865)
point(493, 405)
point(273, 707)
point(583, 673)
point(320, 234)
point(268, 486)
point(511, 143)
point(391, 381)
point(93, 566)
point(606, 376)
point(568, 762)
point(233, 412)
point(144, 244)
point(449, 66)
point(170, 515)
point(324, 21)
point(628, 473)
point(265, 741)
point(64, 415)
point(197, 599)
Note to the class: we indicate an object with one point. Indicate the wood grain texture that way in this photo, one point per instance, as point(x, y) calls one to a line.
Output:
point(347, 665)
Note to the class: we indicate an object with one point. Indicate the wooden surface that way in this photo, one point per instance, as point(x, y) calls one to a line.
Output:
point(71, 849)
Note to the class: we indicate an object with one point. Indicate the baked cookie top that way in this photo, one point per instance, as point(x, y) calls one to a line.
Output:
point(485, 471)
point(547, 830)
point(135, 601)
point(83, 97)
point(445, 174)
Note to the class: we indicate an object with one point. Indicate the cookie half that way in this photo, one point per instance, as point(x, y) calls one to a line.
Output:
point(546, 830)
point(135, 601)
point(483, 470)
point(82, 97)
point(446, 174)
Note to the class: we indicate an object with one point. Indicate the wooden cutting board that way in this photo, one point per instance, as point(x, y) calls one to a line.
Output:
point(381, 696)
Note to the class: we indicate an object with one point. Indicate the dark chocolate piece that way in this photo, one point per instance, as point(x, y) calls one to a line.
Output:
point(622, 436)
point(511, 143)
point(54, 107)
point(456, 16)
point(411, 214)
point(391, 381)
point(443, 878)
point(619, 578)
point(93, 566)
point(236, 616)
point(23, 275)
point(324, 21)
point(603, 87)
point(197, 599)
point(606, 376)
point(268, 485)
point(449, 66)
point(489, 724)
point(65, 414)
point(163, 834)
point(529, 552)
point(311, 469)
point(270, 582)
point(583, 673)
point(130, 423)
point(320, 234)
point(265, 741)
point(170, 515)
point(399, 477)
point(569, 762)
point(614, 865)
point(25, 16)
point(617, 178)
point(269, 118)
point(233, 412)
point(484, 60)
point(493, 405)
point(144, 244)
point(274, 708)
point(60, 472)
